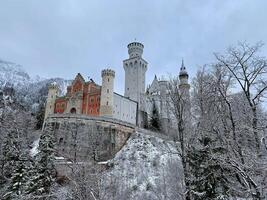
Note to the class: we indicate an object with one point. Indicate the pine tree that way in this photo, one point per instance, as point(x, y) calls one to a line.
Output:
point(43, 173)
point(208, 175)
point(11, 152)
point(18, 180)
point(154, 123)
point(40, 116)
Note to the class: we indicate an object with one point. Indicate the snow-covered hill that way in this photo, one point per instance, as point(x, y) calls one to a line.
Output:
point(29, 91)
point(146, 168)
point(13, 74)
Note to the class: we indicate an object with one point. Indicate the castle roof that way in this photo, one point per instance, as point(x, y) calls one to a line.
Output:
point(183, 71)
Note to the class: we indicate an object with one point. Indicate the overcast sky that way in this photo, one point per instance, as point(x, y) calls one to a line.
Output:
point(59, 38)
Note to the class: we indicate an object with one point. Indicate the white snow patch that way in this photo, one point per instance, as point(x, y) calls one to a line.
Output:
point(103, 162)
point(34, 149)
point(59, 158)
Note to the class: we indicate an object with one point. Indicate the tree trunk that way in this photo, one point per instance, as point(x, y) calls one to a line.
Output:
point(255, 128)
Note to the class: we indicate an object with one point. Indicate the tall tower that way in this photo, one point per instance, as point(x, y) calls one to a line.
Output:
point(184, 88)
point(135, 68)
point(184, 85)
point(51, 98)
point(106, 101)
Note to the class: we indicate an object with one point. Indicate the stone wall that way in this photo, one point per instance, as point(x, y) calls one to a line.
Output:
point(81, 138)
point(124, 109)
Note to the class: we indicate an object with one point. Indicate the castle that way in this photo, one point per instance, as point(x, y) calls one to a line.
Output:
point(88, 98)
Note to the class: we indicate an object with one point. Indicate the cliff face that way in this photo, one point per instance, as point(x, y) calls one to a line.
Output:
point(147, 167)
point(113, 161)
point(81, 138)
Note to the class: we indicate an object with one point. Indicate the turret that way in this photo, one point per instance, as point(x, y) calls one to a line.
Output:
point(51, 98)
point(183, 75)
point(106, 102)
point(135, 68)
point(184, 85)
point(135, 49)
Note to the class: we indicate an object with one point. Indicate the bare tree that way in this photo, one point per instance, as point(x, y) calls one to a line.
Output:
point(249, 70)
point(180, 105)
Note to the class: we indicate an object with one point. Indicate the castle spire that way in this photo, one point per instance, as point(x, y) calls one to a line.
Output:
point(183, 71)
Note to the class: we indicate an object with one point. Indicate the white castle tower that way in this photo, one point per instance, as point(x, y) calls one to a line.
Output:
point(106, 101)
point(51, 98)
point(184, 86)
point(135, 68)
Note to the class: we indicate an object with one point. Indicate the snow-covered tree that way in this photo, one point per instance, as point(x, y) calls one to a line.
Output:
point(16, 186)
point(208, 176)
point(40, 116)
point(42, 175)
point(154, 122)
point(249, 70)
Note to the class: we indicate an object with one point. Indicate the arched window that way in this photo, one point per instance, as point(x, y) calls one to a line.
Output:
point(73, 110)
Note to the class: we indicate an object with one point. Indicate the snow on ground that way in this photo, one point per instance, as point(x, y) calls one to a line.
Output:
point(147, 167)
point(34, 149)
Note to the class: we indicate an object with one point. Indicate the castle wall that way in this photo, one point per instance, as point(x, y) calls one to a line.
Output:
point(83, 138)
point(91, 104)
point(124, 109)
point(60, 105)
point(106, 102)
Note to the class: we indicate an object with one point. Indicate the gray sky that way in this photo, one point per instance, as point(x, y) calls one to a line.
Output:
point(59, 38)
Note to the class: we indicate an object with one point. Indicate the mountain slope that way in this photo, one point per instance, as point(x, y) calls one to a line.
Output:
point(13, 74)
point(30, 92)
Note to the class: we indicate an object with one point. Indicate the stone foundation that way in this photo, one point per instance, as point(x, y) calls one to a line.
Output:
point(81, 138)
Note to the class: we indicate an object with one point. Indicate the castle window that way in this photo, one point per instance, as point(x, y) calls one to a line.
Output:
point(108, 79)
point(107, 103)
point(92, 100)
point(127, 88)
point(60, 140)
point(107, 90)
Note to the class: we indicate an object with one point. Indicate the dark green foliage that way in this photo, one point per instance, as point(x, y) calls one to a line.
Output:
point(10, 153)
point(209, 179)
point(42, 175)
point(154, 123)
point(18, 180)
point(40, 116)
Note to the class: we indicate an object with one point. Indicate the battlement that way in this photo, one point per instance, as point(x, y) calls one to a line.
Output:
point(135, 49)
point(53, 86)
point(108, 72)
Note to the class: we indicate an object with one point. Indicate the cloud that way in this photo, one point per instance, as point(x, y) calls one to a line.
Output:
point(64, 37)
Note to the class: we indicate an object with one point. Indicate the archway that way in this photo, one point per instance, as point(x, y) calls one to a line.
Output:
point(73, 110)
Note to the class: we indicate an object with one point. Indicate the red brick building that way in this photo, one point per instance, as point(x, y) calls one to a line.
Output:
point(82, 97)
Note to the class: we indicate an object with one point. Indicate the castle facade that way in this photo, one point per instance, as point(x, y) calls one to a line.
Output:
point(88, 98)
